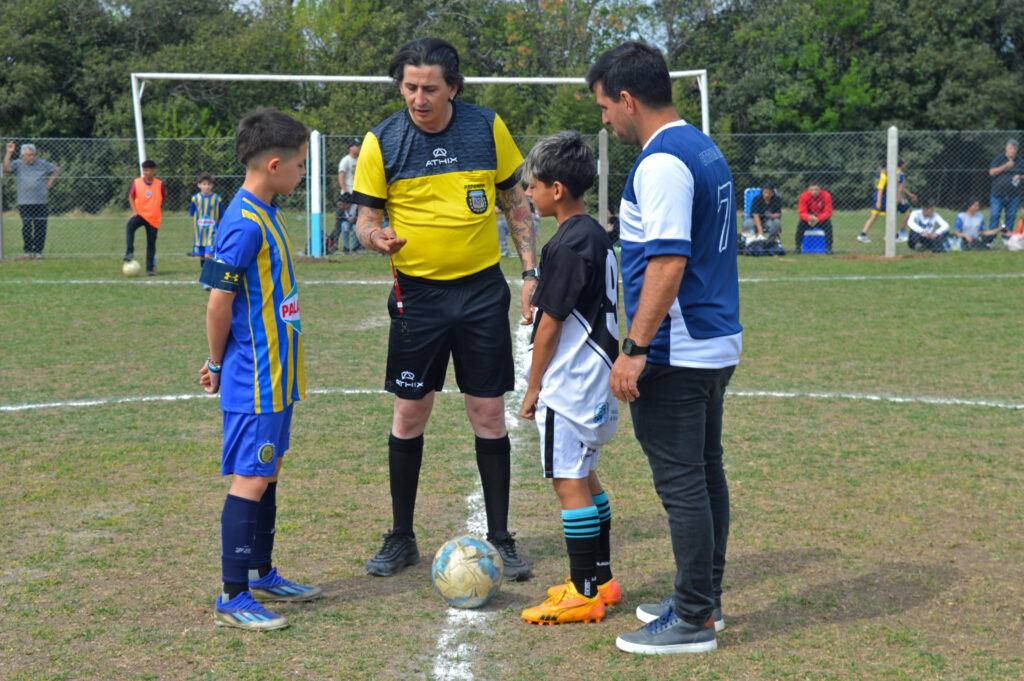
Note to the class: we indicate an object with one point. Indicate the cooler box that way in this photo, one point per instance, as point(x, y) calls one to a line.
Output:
point(814, 241)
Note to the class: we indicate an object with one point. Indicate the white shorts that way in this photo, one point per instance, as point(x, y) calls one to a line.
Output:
point(562, 454)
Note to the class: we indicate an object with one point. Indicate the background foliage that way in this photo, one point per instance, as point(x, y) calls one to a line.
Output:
point(775, 65)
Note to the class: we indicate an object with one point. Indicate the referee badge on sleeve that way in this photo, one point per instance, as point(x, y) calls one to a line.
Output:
point(477, 200)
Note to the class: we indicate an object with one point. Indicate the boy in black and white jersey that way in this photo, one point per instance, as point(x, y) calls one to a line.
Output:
point(575, 343)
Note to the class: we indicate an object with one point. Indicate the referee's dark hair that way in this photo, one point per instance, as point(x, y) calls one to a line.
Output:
point(637, 68)
point(269, 130)
point(563, 157)
point(427, 52)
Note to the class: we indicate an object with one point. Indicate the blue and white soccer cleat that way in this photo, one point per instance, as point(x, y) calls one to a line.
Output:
point(243, 612)
point(274, 587)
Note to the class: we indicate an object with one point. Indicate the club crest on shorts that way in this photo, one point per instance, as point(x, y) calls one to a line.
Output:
point(601, 414)
point(266, 453)
point(477, 200)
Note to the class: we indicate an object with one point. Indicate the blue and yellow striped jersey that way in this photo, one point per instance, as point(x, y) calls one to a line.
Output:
point(263, 364)
point(205, 212)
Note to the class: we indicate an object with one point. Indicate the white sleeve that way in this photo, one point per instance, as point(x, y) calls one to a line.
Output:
point(913, 223)
point(943, 225)
point(665, 199)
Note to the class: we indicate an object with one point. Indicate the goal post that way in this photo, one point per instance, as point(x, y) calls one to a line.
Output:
point(316, 169)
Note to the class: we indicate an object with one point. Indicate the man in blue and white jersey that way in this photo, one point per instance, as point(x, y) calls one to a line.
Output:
point(677, 223)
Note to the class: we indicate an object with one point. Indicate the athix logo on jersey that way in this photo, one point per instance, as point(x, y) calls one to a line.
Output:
point(408, 380)
point(441, 158)
point(206, 222)
point(289, 310)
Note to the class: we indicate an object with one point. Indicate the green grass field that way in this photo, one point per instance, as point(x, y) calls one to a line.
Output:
point(871, 538)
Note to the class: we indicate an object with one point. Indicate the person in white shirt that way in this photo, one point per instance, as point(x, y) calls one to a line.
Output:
point(928, 230)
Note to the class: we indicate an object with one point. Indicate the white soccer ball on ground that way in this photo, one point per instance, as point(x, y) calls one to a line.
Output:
point(467, 572)
point(132, 268)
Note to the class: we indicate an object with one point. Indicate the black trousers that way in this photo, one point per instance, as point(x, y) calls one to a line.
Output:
point(678, 421)
point(33, 226)
point(151, 232)
point(803, 226)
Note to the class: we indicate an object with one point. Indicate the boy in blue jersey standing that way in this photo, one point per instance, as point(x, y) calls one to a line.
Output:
point(256, 362)
point(575, 341)
point(204, 208)
point(677, 222)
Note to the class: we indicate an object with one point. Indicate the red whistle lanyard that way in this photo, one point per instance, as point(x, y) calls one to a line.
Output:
point(398, 291)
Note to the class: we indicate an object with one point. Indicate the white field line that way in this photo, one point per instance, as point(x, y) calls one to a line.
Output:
point(454, 661)
point(511, 281)
point(786, 394)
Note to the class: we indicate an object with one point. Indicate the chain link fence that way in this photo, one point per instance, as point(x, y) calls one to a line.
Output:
point(88, 202)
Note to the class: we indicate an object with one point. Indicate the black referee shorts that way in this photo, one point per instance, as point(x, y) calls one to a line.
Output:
point(466, 318)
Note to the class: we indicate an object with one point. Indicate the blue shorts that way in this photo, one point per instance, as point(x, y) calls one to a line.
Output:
point(254, 442)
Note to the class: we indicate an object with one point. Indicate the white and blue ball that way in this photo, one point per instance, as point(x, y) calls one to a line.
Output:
point(467, 572)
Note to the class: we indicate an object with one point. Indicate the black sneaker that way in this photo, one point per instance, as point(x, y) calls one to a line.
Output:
point(399, 550)
point(669, 634)
point(648, 612)
point(128, 257)
point(516, 569)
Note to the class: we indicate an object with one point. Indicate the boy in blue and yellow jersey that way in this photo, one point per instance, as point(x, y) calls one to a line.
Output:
point(878, 201)
point(204, 208)
point(256, 362)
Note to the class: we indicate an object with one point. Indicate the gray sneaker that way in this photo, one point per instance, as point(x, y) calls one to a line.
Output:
point(668, 634)
point(399, 550)
point(516, 569)
point(648, 612)
point(863, 238)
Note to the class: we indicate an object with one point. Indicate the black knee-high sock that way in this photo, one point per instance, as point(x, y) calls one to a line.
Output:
point(263, 542)
point(582, 529)
point(604, 550)
point(237, 526)
point(404, 459)
point(494, 461)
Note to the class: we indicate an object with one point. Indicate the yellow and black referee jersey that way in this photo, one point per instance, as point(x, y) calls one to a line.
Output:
point(438, 188)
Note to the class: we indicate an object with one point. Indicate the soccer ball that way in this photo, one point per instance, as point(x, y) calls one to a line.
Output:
point(132, 268)
point(467, 572)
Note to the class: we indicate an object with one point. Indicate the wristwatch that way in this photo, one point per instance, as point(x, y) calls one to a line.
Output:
point(531, 273)
point(632, 349)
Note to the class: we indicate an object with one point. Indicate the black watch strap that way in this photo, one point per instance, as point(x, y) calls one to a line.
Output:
point(632, 349)
point(531, 273)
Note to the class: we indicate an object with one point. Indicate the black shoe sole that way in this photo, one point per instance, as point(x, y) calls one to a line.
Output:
point(378, 570)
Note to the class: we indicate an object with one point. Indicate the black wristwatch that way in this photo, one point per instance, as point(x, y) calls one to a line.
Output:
point(531, 273)
point(632, 349)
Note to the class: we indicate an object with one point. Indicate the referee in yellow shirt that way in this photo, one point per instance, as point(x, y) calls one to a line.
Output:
point(436, 167)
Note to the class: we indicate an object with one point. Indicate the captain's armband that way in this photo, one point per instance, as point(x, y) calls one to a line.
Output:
point(221, 276)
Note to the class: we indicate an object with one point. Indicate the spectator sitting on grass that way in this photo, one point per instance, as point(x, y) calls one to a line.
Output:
point(969, 226)
point(928, 231)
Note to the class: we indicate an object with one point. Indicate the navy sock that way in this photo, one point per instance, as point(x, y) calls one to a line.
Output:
point(494, 461)
point(263, 540)
point(237, 527)
point(582, 529)
point(604, 549)
point(404, 459)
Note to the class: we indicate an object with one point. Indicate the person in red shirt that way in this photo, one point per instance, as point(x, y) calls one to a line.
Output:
point(815, 213)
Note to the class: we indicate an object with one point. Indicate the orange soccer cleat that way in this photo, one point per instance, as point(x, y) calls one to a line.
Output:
point(565, 604)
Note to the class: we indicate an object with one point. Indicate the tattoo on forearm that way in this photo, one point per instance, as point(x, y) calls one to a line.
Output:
point(520, 226)
point(368, 219)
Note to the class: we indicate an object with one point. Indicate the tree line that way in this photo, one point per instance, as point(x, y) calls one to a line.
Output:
point(774, 65)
